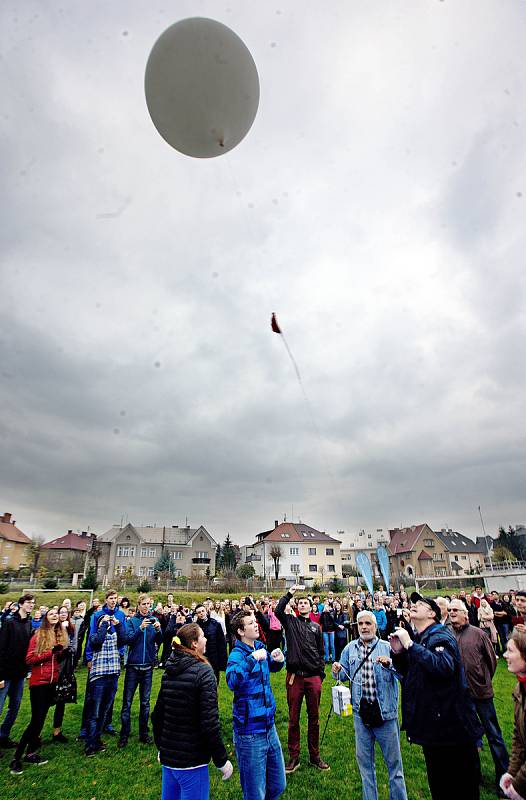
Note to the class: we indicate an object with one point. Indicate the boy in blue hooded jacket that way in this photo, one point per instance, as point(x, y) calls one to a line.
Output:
point(258, 749)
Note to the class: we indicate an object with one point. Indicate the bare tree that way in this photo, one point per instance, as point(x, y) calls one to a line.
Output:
point(35, 551)
point(275, 554)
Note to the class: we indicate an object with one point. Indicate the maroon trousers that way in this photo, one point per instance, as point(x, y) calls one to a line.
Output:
point(310, 688)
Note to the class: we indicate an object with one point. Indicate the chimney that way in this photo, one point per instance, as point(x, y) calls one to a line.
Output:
point(84, 534)
point(6, 517)
point(70, 531)
point(276, 523)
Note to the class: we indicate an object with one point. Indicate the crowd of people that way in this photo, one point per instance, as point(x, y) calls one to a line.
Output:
point(440, 653)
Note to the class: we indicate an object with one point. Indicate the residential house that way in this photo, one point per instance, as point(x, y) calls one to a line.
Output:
point(68, 552)
point(417, 552)
point(463, 554)
point(13, 545)
point(304, 553)
point(364, 542)
point(134, 550)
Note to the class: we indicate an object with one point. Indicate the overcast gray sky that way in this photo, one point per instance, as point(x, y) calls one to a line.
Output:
point(377, 206)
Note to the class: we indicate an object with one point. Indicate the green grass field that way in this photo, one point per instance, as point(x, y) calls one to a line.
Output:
point(135, 772)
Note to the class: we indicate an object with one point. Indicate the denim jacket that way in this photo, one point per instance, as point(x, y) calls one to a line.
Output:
point(386, 681)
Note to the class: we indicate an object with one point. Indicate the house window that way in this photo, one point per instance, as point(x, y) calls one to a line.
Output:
point(294, 551)
point(177, 555)
point(464, 558)
point(295, 569)
point(201, 554)
point(8, 545)
point(126, 551)
point(456, 558)
point(313, 568)
point(144, 554)
point(150, 572)
point(437, 557)
point(312, 551)
point(142, 572)
point(5, 559)
point(331, 567)
point(429, 543)
point(329, 551)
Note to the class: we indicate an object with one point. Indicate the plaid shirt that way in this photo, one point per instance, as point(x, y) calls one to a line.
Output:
point(107, 660)
point(367, 671)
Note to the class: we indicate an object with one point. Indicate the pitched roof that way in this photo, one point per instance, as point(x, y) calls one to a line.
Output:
point(71, 541)
point(154, 535)
point(403, 540)
point(295, 532)
point(424, 556)
point(458, 543)
point(13, 534)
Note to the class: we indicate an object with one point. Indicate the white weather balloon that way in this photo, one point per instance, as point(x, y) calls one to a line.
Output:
point(202, 87)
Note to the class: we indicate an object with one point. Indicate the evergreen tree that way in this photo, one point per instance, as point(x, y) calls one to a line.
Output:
point(90, 579)
point(219, 555)
point(228, 555)
point(164, 566)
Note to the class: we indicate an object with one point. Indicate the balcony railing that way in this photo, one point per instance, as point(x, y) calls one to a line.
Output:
point(201, 560)
point(253, 557)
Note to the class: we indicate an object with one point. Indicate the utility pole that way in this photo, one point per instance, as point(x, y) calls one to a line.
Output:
point(488, 551)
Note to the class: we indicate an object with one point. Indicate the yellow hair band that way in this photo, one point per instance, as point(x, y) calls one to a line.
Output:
point(176, 640)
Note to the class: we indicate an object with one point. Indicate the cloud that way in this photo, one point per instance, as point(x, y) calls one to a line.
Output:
point(376, 205)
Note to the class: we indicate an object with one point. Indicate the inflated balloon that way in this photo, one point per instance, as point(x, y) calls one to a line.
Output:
point(202, 87)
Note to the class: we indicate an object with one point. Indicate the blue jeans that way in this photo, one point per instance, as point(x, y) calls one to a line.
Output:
point(328, 643)
point(14, 688)
point(143, 679)
point(103, 691)
point(488, 717)
point(388, 737)
point(261, 765)
point(186, 784)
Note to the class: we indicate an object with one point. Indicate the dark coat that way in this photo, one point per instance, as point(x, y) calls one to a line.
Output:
point(327, 621)
point(15, 635)
point(215, 644)
point(305, 651)
point(436, 707)
point(185, 719)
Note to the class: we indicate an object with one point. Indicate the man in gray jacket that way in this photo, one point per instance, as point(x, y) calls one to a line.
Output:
point(480, 663)
point(374, 693)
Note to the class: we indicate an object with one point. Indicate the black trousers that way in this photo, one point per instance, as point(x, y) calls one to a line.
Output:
point(41, 698)
point(446, 783)
point(274, 639)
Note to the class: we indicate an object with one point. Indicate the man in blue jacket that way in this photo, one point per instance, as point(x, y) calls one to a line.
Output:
point(437, 712)
point(258, 749)
point(144, 637)
point(111, 609)
point(103, 677)
point(374, 687)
